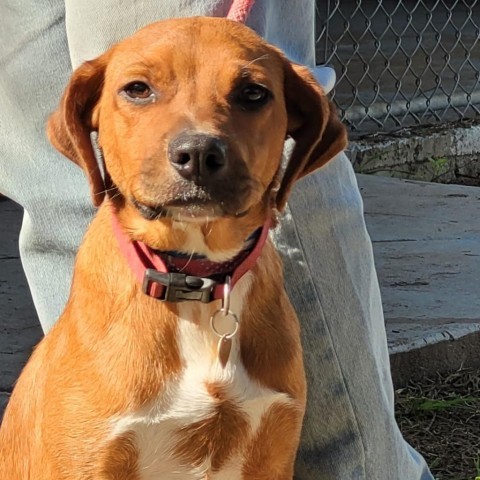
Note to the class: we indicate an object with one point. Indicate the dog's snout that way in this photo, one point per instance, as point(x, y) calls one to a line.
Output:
point(198, 157)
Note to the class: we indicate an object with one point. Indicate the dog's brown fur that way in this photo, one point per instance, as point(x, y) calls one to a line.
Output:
point(114, 350)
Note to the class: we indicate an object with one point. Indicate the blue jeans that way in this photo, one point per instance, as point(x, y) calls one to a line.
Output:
point(350, 430)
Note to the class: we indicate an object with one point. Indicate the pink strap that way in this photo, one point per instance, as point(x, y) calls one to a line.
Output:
point(239, 10)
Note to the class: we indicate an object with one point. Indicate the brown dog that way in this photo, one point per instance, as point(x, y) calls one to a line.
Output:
point(176, 378)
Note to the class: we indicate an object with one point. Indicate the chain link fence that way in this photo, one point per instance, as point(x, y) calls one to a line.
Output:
point(401, 63)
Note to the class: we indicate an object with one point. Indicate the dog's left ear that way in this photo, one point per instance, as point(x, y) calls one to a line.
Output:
point(314, 125)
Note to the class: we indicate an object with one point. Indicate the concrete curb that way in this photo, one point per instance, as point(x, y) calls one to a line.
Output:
point(422, 336)
point(444, 153)
point(428, 361)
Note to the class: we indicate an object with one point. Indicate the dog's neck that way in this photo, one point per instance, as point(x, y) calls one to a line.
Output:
point(192, 263)
point(178, 277)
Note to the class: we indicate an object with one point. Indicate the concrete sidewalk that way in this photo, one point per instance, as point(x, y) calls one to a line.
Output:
point(426, 240)
point(19, 327)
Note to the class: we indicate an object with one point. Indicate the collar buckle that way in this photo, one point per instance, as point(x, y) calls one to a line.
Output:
point(178, 287)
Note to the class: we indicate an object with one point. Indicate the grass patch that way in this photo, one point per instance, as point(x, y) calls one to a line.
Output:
point(427, 404)
point(440, 417)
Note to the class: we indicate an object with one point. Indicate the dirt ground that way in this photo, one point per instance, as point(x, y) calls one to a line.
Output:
point(440, 417)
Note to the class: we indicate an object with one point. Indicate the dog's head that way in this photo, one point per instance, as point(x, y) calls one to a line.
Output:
point(192, 115)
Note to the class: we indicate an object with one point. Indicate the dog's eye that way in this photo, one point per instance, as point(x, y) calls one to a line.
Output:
point(253, 96)
point(137, 91)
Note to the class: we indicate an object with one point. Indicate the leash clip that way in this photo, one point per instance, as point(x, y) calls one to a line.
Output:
point(177, 287)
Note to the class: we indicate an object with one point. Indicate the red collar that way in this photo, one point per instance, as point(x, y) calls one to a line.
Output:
point(192, 279)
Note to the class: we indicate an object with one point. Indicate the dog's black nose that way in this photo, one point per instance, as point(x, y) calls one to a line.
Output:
point(198, 157)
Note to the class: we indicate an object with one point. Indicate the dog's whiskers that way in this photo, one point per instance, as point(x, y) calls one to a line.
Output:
point(208, 224)
point(188, 261)
point(262, 57)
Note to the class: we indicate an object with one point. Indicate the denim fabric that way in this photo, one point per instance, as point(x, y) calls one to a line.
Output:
point(350, 430)
point(34, 69)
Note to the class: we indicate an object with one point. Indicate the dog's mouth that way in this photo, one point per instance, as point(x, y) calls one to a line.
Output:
point(187, 210)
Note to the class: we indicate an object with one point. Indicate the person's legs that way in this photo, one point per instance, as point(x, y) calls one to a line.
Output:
point(34, 68)
point(350, 432)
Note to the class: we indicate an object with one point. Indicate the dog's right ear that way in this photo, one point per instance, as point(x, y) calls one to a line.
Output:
point(70, 125)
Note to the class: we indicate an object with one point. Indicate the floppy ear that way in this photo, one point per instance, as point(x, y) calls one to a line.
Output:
point(69, 127)
point(314, 125)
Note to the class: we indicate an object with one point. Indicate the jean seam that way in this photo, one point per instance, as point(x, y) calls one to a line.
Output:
point(327, 327)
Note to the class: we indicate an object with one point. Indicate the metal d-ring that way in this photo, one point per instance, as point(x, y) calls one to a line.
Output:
point(225, 310)
point(225, 314)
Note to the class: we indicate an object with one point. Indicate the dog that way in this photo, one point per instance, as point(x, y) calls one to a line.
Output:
point(178, 355)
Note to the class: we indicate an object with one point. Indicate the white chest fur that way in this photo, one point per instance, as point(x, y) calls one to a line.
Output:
point(188, 401)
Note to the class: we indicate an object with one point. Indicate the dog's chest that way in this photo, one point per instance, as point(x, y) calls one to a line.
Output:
point(201, 424)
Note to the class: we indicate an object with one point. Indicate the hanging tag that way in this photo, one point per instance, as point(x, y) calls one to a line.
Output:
point(224, 345)
point(224, 314)
point(224, 348)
